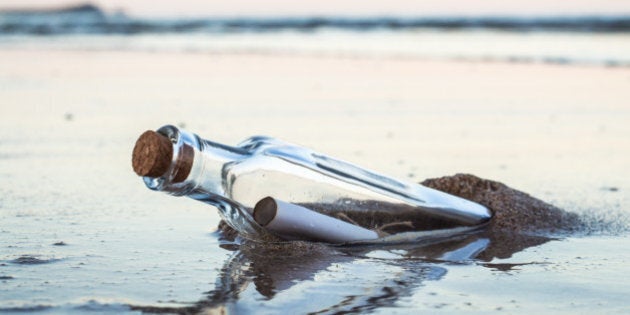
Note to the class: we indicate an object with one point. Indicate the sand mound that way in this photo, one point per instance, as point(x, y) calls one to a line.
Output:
point(514, 210)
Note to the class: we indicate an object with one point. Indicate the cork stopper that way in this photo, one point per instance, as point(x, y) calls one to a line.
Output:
point(184, 164)
point(152, 154)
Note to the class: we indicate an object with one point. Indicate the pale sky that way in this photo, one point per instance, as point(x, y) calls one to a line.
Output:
point(346, 7)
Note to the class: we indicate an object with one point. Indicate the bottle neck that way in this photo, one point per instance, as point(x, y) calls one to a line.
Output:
point(196, 166)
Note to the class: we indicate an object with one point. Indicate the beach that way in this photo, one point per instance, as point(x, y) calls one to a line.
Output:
point(419, 117)
point(70, 117)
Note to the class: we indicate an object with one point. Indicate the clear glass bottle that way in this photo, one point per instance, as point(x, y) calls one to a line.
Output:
point(233, 179)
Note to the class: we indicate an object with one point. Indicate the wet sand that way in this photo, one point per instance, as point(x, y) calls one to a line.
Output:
point(69, 119)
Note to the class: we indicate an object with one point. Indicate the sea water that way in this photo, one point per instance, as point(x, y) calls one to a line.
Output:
point(598, 40)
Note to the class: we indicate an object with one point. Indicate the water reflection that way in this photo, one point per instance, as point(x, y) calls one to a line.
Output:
point(330, 281)
point(318, 279)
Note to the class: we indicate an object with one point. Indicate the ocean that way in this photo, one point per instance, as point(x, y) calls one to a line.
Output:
point(595, 40)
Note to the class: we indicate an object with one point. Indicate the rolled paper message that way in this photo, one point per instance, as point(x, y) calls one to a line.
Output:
point(294, 222)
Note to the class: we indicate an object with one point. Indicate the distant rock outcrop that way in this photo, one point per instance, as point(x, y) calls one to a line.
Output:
point(83, 8)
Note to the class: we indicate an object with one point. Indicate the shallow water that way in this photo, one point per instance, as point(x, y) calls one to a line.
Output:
point(79, 231)
point(595, 40)
point(607, 49)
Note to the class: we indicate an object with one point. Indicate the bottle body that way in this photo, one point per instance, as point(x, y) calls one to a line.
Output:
point(234, 178)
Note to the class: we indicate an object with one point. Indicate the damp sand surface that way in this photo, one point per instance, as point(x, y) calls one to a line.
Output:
point(547, 144)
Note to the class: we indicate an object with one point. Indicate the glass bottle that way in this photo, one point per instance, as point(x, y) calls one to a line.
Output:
point(234, 179)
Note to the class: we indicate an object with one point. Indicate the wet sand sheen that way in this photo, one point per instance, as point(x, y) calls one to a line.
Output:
point(558, 133)
point(520, 221)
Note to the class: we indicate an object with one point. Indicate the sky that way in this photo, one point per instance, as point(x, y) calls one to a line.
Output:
point(344, 7)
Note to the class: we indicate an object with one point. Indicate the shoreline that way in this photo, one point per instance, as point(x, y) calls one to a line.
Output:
point(367, 56)
point(290, 54)
point(607, 49)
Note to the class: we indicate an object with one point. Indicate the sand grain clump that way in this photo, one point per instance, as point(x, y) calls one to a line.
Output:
point(513, 210)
